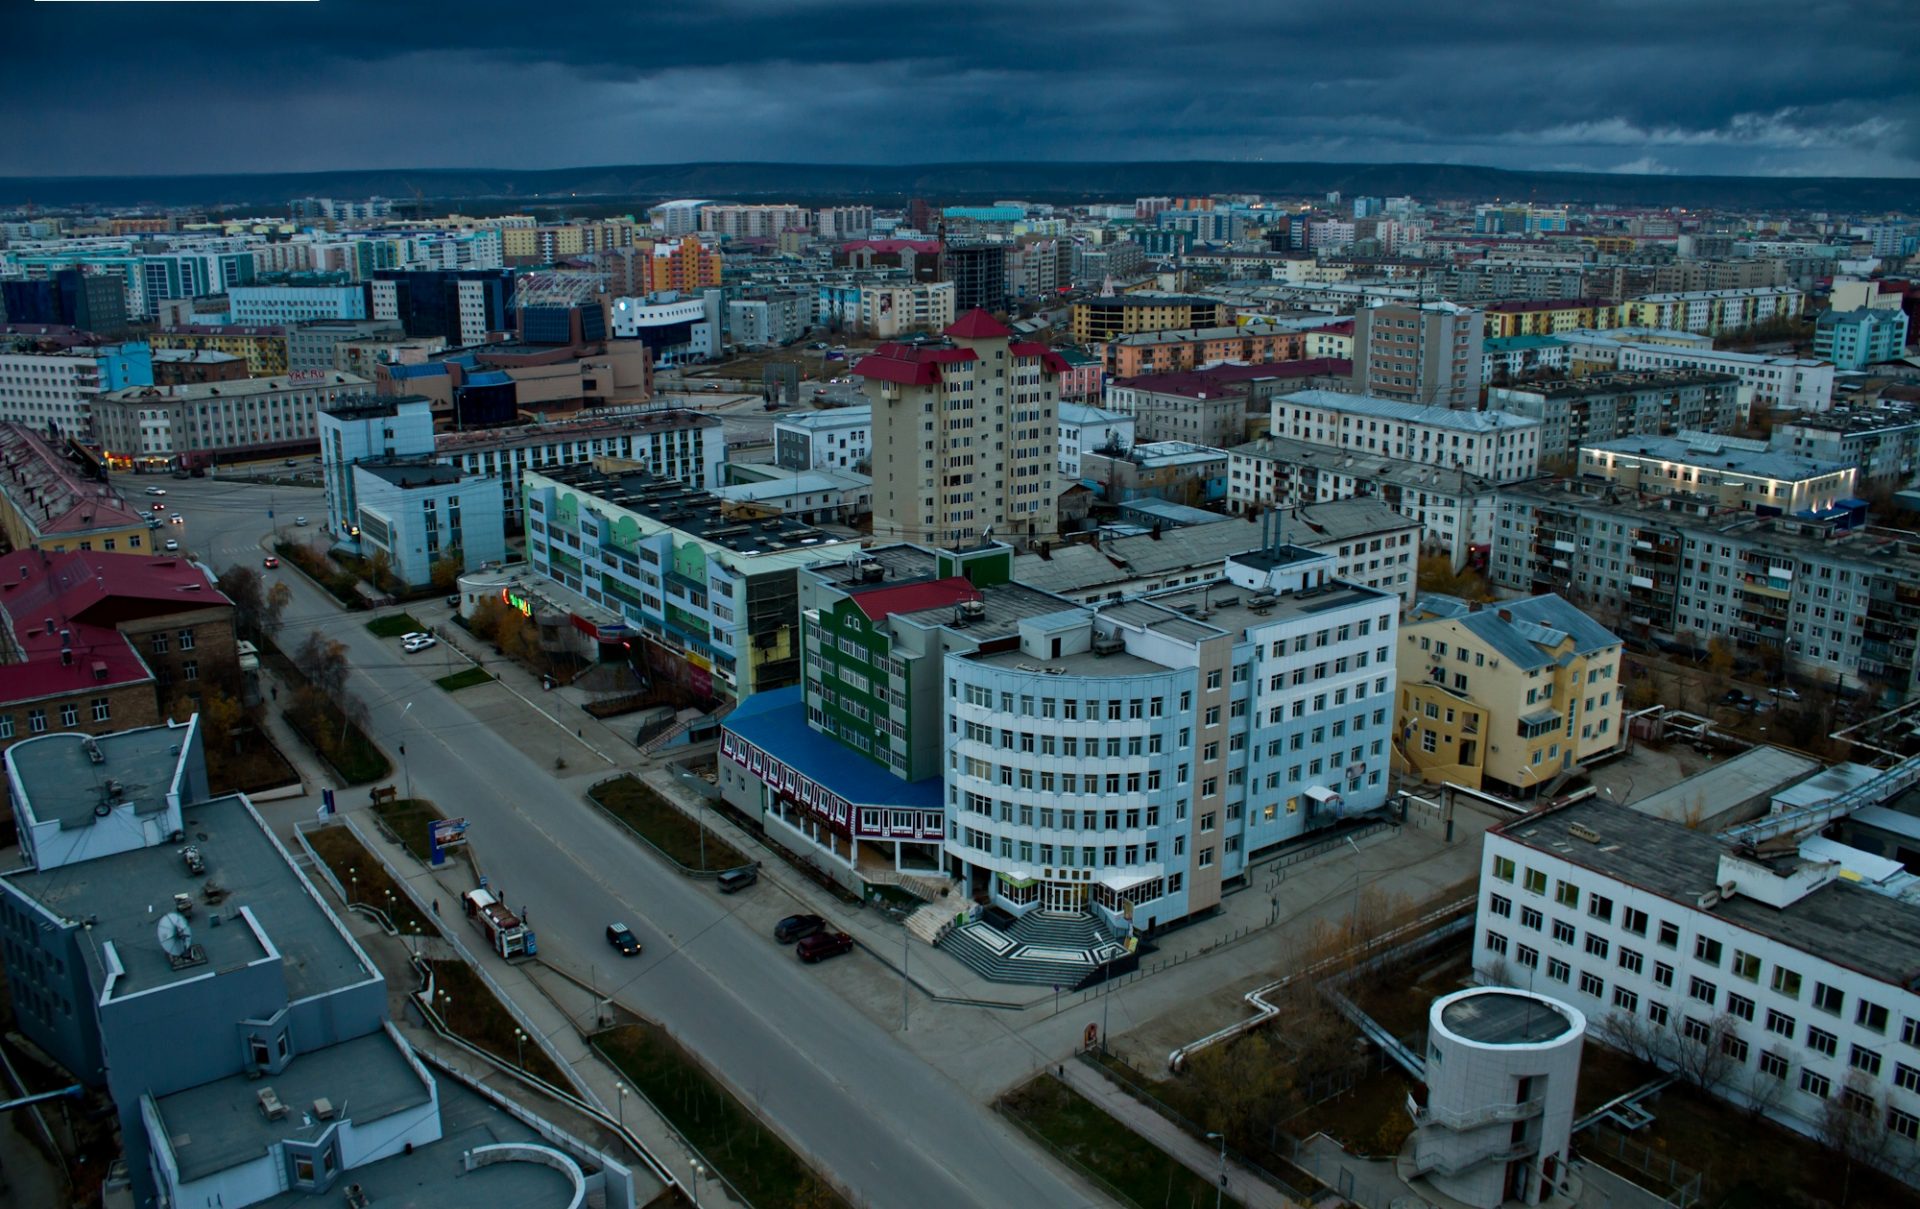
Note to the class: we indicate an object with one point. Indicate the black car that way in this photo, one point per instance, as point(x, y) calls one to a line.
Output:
point(622, 938)
point(822, 945)
point(735, 880)
point(793, 927)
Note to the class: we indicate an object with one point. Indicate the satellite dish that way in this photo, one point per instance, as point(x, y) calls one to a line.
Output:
point(176, 934)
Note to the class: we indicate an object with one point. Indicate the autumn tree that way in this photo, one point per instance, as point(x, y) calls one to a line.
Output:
point(446, 570)
point(1852, 1124)
point(323, 661)
point(380, 570)
point(257, 607)
point(1436, 574)
point(1241, 1087)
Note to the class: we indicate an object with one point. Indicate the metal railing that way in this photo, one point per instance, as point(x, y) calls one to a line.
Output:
point(1426, 1114)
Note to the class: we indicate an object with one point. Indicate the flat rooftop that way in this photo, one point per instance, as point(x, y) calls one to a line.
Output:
point(64, 785)
point(365, 1079)
point(1080, 663)
point(1007, 606)
point(1504, 1018)
point(690, 510)
point(1224, 605)
point(410, 472)
point(126, 894)
point(1860, 929)
point(1750, 777)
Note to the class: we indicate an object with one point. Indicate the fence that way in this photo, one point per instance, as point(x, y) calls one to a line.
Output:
point(1618, 1150)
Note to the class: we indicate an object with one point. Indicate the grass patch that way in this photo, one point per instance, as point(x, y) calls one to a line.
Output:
point(663, 825)
point(346, 748)
point(365, 878)
point(469, 1008)
point(338, 581)
point(394, 625)
point(256, 766)
point(466, 679)
point(1076, 1128)
point(409, 819)
point(751, 1157)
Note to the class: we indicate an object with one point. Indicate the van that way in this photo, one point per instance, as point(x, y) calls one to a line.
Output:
point(735, 880)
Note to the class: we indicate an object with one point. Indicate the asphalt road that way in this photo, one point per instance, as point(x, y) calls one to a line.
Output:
point(892, 1130)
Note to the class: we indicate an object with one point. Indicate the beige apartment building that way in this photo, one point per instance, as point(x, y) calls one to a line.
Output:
point(1504, 697)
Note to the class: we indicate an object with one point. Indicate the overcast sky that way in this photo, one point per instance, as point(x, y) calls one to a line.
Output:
point(1712, 86)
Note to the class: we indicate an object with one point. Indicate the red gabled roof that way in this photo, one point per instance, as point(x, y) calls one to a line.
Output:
point(913, 598)
point(977, 324)
point(909, 364)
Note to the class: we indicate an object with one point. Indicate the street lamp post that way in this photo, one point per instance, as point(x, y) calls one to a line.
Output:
point(353, 885)
point(1220, 1190)
point(620, 1103)
point(405, 766)
point(520, 1048)
point(1353, 915)
point(698, 1171)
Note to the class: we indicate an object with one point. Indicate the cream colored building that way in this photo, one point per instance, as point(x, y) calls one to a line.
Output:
point(894, 309)
point(1504, 697)
point(1732, 471)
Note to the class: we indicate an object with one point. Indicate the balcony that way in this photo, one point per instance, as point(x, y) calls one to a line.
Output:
point(1426, 1161)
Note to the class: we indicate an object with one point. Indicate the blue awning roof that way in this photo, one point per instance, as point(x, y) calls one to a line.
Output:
point(776, 722)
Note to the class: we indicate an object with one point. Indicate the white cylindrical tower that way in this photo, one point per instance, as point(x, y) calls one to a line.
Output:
point(1502, 1069)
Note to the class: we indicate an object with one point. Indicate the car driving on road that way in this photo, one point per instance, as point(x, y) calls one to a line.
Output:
point(822, 945)
point(622, 938)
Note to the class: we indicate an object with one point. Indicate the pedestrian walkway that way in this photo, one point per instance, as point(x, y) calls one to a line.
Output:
point(1196, 1156)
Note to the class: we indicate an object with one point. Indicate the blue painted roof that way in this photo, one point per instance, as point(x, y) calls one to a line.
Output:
point(776, 722)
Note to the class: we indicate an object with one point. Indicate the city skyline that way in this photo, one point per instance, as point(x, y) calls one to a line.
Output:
point(1707, 87)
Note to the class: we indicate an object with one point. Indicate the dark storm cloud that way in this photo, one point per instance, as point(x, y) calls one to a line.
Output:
point(1762, 86)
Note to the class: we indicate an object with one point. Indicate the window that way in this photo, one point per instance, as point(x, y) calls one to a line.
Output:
point(1870, 1016)
point(1904, 1124)
point(1821, 1041)
point(186, 640)
point(1500, 905)
point(1773, 1065)
point(102, 709)
point(1780, 1022)
point(1741, 1006)
point(1662, 974)
point(1734, 1047)
point(69, 714)
point(1503, 868)
point(1531, 918)
point(1695, 1030)
point(1635, 921)
point(1706, 950)
point(1746, 965)
point(1669, 935)
point(1701, 989)
point(1657, 1012)
point(1496, 943)
point(1526, 956)
point(1558, 970)
point(191, 669)
point(1906, 1077)
point(1626, 1000)
point(1631, 961)
point(1536, 881)
point(1864, 1060)
point(1567, 894)
point(36, 721)
point(1600, 906)
point(1828, 999)
point(1786, 982)
point(1815, 1084)
point(1590, 984)
point(1597, 945)
point(1562, 932)
point(1909, 1027)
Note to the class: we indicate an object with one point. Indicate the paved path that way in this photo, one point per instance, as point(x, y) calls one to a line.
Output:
point(1193, 1154)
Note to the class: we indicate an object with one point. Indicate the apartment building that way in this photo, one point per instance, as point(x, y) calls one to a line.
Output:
point(1608, 406)
point(1453, 508)
point(265, 348)
point(1735, 474)
point(1883, 442)
point(1180, 472)
point(287, 305)
point(1839, 599)
point(1506, 697)
point(1778, 383)
point(1097, 320)
point(1548, 317)
point(52, 390)
point(1085, 429)
point(1859, 338)
point(965, 435)
point(840, 438)
point(1787, 982)
point(1425, 353)
point(1492, 444)
point(754, 222)
point(710, 591)
point(887, 310)
point(203, 423)
point(1197, 408)
point(1713, 312)
point(1193, 348)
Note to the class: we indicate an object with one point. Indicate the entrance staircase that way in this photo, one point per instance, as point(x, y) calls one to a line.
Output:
point(1040, 948)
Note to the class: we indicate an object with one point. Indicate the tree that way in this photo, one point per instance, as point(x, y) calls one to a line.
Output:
point(1853, 1126)
point(279, 596)
point(380, 570)
point(1719, 657)
point(1700, 1055)
point(323, 662)
point(446, 570)
point(241, 585)
point(1241, 1086)
point(1436, 574)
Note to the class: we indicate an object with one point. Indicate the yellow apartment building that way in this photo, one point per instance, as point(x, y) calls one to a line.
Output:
point(1504, 697)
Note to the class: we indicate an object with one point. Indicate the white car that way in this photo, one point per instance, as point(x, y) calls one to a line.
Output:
point(172, 545)
point(300, 520)
point(414, 646)
point(156, 491)
point(414, 636)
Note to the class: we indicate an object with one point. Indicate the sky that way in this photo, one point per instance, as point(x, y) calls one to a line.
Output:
point(1742, 87)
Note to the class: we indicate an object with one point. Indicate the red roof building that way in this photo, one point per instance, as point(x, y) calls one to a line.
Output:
point(978, 325)
point(884, 602)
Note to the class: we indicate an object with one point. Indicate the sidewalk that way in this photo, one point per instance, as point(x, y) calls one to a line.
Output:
point(1196, 1156)
point(558, 1010)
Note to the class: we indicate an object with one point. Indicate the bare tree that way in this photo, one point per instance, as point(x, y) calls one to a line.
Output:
point(323, 662)
point(1699, 1055)
point(1635, 1036)
point(1853, 1126)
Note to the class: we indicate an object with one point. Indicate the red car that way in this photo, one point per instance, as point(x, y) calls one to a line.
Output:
point(271, 562)
point(822, 945)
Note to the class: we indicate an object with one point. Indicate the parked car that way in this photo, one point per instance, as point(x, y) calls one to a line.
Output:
point(301, 521)
point(622, 938)
point(735, 880)
point(1784, 693)
point(412, 635)
point(293, 461)
point(270, 562)
point(413, 646)
point(822, 945)
point(172, 545)
point(797, 927)
point(453, 601)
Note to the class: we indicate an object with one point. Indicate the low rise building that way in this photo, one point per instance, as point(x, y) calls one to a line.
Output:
point(312, 344)
point(770, 320)
point(1453, 508)
point(1859, 338)
point(840, 438)
point(814, 497)
point(1195, 408)
point(1505, 359)
point(286, 305)
point(1883, 442)
point(1492, 444)
point(890, 309)
point(708, 586)
point(1179, 471)
point(264, 347)
point(1733, 473)
point(1789, 982)
point(179, 366)
point(1188, 348)
point(419, 512)
point(204, 424)
point(1509, 697)
point(47, 504)
point(1096, 320)
point(1779, 383)
point(1086, 429)
point(1606, 406)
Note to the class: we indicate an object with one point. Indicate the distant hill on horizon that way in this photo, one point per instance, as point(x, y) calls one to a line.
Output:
point(639, 185)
